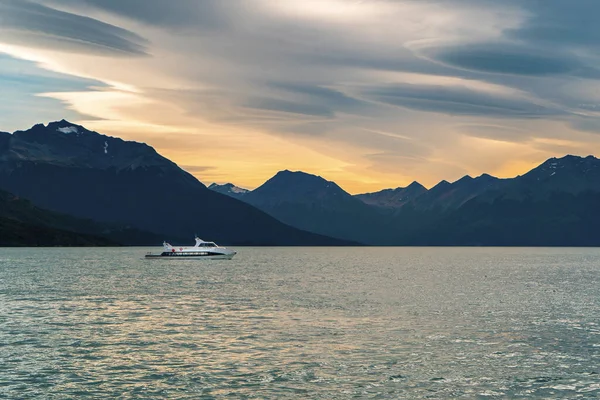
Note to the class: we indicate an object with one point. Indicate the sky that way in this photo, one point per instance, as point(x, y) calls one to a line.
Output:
point(371, 94)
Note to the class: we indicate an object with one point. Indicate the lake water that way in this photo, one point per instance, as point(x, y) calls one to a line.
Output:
point(301, 323)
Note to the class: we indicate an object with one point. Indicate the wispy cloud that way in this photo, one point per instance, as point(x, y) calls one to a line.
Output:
point(31, 24)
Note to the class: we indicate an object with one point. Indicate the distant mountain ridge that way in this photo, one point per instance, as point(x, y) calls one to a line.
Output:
point(64, 167)
point(447, 195)
point(484, 210)
point(393, 198)
point(67, 169)
point(571, 174)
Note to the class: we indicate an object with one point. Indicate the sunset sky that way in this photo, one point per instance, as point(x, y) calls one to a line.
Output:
point(369, 93)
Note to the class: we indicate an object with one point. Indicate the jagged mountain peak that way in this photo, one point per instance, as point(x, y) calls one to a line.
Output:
point(572, 163)
point(64, 126)
point(393, 198)
point(466, 178)
point(569, 160)
point(299, 180)
point(65, 143)
point(487, 177)
point(443, 184)
point(297, 186)
point(62, 123)
point(60, 133)
point(414, 185)
point(287, 172)
point(575, 157)
point(298, 175)
point(571, 173)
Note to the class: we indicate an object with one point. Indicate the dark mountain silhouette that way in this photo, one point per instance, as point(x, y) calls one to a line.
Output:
point(569, 174)
point(34, 226)
point(66, 168)
point(298, 187)
point(554, 204)
point(453, 195)
point(444, 195)
point(16, 233)
point(562, 219)
point(312, 203)
point(229, 189)
point(393, 198)
point(22, 224)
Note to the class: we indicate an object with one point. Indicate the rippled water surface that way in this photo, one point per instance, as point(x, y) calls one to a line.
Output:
point(310, 323)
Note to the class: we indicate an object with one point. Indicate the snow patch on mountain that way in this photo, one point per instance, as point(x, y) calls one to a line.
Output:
point(236, 189)
point(229, 189)
point(68, 129)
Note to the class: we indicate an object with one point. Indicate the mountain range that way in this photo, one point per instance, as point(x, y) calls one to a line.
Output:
point(64, 184)
point(554, 204)
point(64, 168)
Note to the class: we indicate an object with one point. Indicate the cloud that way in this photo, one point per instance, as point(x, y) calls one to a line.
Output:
point(560, 23)
point(457, 100)
point(20, 85)
point(504, 58)
point(179, 15)
point(279, 105)
point(319, 94)
point(554, 37)
point(367, 88)
point(31, 24)
point(197, 169)
point(587, 124)
point(306, 100)
point(25, 77)
point(497, 132)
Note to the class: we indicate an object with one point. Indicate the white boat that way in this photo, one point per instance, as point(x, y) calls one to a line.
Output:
point(202, 250)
